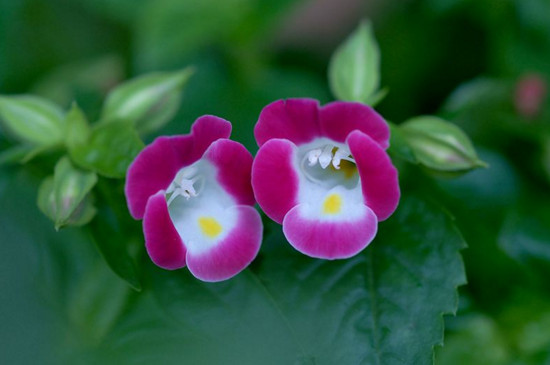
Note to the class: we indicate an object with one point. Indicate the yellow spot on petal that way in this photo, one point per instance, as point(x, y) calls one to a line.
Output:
point(332, 204)
point(210, 227)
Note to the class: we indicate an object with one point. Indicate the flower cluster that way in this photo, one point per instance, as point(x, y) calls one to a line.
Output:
point(321, 172)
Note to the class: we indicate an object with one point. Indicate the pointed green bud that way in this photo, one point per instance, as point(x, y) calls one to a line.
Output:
point(148, 101)
point(64, 197)
point(440, 145)
point(77, 129)
point(354, 70)
point(32, 120)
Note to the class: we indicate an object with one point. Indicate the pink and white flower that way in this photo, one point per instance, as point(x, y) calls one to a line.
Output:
point(194, 195)
point(323, 173)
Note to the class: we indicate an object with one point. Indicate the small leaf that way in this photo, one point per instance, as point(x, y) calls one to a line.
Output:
point(63, 197)
point(149, 101)
point(97, 301)
point(113, 247)
point(440, 145)
point(354, 70)
point(31, 119)
point(77, 127)
point(109, 149)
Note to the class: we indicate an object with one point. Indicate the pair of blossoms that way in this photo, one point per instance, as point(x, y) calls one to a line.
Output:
point(321, 172)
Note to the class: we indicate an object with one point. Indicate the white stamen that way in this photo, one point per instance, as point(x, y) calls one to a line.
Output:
point(339, 155)
point(181, 187)
point(326, 156)
point(313, 156)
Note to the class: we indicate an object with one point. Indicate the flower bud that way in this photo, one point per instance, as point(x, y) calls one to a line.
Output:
point(32, 120)
point(148, 102)
point(529, 96)
point(440, 145)
point(63, 197)
point(354, 70)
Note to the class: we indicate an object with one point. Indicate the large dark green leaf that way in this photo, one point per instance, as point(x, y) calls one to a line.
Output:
point(383, 306)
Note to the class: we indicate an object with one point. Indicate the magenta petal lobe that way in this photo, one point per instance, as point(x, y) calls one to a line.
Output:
point(379, 180)
point(163, 243)
point(292, 119)
point(274, 178)
point(338, 119)
point(157, 164)
point(329, 239)
point(206, 130)
point(232, 254)
point(234, 165)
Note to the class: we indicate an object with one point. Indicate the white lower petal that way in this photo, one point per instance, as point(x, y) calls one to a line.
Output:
point(326, 193)
point(206, 219)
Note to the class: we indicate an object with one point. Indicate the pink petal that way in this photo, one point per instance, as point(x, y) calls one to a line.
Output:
point(157, 164)
point(339, 119)
point(379, 180)
point(292, 119)
point(274, 178)
point(234, 164)
point(329, 239)
point(162, 241)
point(232, 255)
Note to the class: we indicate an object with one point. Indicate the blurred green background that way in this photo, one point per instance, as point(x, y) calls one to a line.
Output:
point(482, 64)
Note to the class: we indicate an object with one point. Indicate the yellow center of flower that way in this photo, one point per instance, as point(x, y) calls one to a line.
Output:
point(210, 227)
point(332, 204)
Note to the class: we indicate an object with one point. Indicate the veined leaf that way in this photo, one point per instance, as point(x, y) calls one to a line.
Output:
point(383, 306)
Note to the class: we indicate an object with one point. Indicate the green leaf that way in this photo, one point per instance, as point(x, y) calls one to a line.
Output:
point(62, 197)
point(97, 301)
point(31, 119)
point(373, 308)
point(440, 145)
point(383, 306)
point(109, 149)
point(112, 244)
point(77, 127)
point(354, 70)
point(149, 101)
